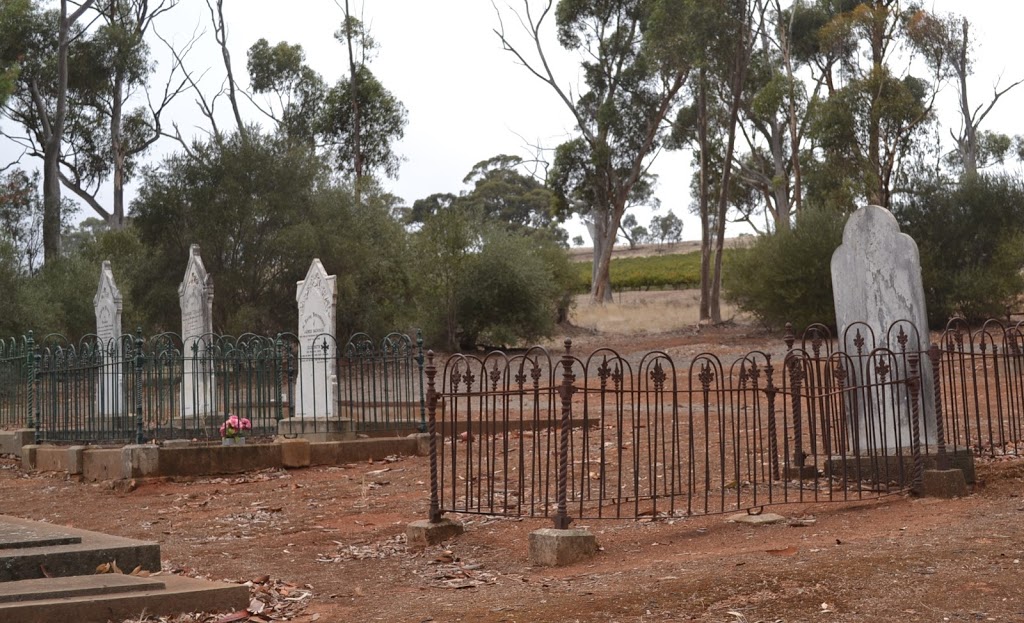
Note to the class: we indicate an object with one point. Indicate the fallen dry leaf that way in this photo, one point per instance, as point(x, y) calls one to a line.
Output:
point(786, 551)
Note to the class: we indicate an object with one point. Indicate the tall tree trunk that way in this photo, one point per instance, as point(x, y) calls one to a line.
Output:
point(51, 203)
point(604, 241)
point(703, 200)
point(794, 134)
point(738, 78)
point(357, 150)
point(55, 134)
point(876, 194)
point(117, 153)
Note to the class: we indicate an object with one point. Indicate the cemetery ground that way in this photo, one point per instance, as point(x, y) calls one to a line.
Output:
point(327, 543)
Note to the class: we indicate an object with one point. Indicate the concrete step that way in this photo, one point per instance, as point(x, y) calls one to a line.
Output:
point(31, 550)
point(115, 597)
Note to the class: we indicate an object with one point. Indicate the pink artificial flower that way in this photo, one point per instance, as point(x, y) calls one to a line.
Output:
point(245, 424)
point(222, 429)
point(233, 421)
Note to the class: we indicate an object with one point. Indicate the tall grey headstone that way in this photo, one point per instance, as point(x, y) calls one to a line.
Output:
point(108, 305)
point(876, 280)
point(317, 298)
point(195, 294)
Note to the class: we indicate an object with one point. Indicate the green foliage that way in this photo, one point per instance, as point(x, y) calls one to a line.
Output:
point(480, 282)
point(666, 229)
point(971, 238)
point(382, 119)
point(511, 290)
point(679, 270)
point(786, 276)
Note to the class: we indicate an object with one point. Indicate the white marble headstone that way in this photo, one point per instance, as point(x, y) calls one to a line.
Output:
point(317, 299)
point(195, 294)
point(108, 305)
point(876, 280)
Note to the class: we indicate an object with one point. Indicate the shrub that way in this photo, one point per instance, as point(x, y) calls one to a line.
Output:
point(971, 238)
point(786, 276)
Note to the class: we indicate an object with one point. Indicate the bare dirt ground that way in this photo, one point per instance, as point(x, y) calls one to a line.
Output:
point(331, 539)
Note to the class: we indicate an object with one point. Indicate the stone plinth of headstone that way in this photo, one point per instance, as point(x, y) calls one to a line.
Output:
point(108, 305)
point(317, 299)
point(195, 294)
point(876, 281)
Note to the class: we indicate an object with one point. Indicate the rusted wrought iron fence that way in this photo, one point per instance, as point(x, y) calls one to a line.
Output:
point(981, 384)
point(609, 436)
point(133, 389)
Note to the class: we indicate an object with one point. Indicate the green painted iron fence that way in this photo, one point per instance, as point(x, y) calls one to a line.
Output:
point(134, 389)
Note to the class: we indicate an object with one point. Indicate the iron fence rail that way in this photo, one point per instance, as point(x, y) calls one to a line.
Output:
point(131, 389)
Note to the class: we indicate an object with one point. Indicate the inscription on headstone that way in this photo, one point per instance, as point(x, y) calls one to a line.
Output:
point(108, 305)
point(195, 294)
point(876, 280)
point(316, 296)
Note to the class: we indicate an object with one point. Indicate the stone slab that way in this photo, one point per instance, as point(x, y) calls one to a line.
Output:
point(316, 430)
point(763, 519)
point(179, 595)
point(81, 558)
point(341, 452)
point(889, 468)
point(550, 547)
point(75, 586)
point(423, 533)
point(17, 536)
point(944, 483)
point(12, 441)
point(294, 453)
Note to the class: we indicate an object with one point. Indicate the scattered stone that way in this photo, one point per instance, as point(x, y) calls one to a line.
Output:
point(757, 520)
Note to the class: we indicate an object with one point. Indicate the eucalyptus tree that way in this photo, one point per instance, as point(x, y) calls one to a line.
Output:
point(356, 121)
point(361, 120)
point(620, 115)
point(108, 67)
point(975, 148)
point(874, 109)
point(41, 42)
point(723, 34)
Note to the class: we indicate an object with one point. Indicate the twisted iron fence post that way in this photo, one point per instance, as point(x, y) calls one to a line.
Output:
point(279, 409)
point(561, 518)
point(935, 354)
point(770, 392)
point(431, 371)
point(32, 363)
point(38, 390)
point(914, 386)
point(419, 361)
point(796, 377)
point(139, 363)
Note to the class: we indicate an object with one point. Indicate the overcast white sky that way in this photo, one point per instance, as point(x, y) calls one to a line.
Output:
point(468, 100)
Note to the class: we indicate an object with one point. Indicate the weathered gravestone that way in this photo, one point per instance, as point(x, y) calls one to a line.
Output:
point(317, 298)
point(195, 294)
point(876, 281)
point(108, 305)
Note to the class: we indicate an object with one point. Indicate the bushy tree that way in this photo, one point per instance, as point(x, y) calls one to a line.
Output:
point(786, 276)
point(261, 207)
point(970, 234)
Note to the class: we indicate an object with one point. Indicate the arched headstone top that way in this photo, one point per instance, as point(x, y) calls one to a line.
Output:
point(876, 274)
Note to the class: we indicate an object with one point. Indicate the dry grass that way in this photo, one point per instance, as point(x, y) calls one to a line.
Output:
point(642, 313)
